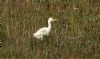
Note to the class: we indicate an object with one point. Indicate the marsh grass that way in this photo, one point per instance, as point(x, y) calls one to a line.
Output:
point(75, 36)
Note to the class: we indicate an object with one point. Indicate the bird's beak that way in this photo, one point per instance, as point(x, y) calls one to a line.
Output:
point(55, 19)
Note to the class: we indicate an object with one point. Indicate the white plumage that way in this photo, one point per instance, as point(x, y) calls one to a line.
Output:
point(44, 31)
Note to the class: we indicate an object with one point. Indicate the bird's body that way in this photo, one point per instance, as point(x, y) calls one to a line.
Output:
point(44, 31)
point(41, 32)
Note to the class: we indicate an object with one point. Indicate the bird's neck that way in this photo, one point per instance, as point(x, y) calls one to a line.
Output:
point(49, 25)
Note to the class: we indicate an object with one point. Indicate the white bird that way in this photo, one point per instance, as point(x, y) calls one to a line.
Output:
point(44, 31)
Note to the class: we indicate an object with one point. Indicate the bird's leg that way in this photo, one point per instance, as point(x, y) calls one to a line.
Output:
point(41, 37)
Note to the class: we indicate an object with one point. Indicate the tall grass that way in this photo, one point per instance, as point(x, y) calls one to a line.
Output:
point(75, 36)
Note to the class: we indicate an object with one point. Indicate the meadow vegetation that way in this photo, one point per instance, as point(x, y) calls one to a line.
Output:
point(75, 36)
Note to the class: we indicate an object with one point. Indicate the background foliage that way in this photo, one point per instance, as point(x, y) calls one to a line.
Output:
point(75, 36)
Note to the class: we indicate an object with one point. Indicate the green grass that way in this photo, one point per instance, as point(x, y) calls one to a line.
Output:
point(75, 36)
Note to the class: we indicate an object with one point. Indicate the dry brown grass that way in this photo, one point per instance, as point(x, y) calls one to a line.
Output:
point(75, 36)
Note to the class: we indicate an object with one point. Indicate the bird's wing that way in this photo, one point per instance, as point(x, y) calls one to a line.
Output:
point(43, 31)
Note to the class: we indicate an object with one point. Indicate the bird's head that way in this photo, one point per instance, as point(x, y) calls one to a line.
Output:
point(51, 19)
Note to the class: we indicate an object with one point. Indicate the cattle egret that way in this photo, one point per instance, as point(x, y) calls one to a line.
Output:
point(44, 31)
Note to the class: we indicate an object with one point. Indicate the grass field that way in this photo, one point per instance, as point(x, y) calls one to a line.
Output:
point(75, 36)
